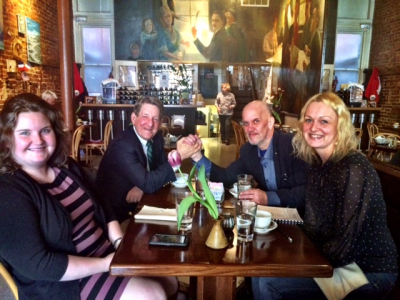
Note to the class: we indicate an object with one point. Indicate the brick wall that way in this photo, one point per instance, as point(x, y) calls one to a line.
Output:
point(385, 55)
point(41, 77)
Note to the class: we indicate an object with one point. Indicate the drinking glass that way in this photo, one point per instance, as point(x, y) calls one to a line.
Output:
point(246, 211)
point(244, 182)
point(187, 220)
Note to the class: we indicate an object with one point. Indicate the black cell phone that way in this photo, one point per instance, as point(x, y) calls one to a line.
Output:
point(175, 240)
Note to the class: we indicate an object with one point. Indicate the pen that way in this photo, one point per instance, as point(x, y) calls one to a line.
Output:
point(286, 236)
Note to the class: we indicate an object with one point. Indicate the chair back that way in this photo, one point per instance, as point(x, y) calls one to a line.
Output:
point(107, 133)
point(76, 140)
point(8, 288)
point(166, 121)
point(372, 131)
point(239, 135)
point(358, 132)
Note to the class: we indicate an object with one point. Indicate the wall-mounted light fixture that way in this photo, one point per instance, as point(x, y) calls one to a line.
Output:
point(365, 26)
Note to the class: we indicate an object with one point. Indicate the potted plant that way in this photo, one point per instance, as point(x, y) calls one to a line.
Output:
point(183, 78)
point(217, 238)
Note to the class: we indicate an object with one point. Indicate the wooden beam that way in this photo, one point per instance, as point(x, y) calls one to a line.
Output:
point(66, 52)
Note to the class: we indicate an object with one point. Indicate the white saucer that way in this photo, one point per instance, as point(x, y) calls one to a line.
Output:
point(273, 225)
point(232, 191)
point(179, 185)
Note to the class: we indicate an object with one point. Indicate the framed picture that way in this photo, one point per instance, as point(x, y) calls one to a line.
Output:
point(33, 41)
point(90, 99)
point(126, 73)
point(21, 24)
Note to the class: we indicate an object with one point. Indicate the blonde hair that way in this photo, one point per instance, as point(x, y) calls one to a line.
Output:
point(50, 93)
point(227, 85)
point(346, 141)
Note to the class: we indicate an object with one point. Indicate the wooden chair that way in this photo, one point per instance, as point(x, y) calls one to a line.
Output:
point(358, 132)
point(164, 130)
point(101, 144)
point(372, 131)
point(76, 141)
point(380, 154)
point(166, 121)
point(8, 288)
point(239, 135)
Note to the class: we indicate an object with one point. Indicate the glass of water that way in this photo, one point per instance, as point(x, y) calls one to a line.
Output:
point(186, 224)
point(246, 211)
point(244, 182)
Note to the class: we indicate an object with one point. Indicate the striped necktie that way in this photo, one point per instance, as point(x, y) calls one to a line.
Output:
point(150, 154)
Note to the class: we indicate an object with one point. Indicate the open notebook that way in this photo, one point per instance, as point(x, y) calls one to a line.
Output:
point(283, 215)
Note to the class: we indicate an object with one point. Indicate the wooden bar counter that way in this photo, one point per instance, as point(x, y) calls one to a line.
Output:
point(216, 270)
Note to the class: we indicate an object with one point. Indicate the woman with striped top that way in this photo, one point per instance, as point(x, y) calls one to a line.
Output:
point(56, 240)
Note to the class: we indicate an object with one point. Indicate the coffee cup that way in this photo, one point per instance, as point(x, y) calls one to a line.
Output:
point(263, 219)
point(180, 179)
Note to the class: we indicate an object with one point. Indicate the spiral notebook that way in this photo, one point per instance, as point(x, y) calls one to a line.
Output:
point(283, 215)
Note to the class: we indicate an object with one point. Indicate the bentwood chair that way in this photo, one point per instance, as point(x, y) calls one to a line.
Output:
point(100, 144)
point(8, 288)
point(380, 153)
point(76, 141)
point(358, 132)
point(372, 131)
point(239, 135)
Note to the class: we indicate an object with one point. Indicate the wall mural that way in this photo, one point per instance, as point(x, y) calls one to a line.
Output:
point(287, 34)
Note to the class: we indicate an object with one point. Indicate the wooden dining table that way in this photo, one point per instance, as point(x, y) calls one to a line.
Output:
point(214, 272)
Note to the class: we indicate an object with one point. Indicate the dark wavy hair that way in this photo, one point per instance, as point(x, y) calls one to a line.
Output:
point(23, 103)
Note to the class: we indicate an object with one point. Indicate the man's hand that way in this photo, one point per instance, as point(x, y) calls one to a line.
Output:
point(256, 195)
point(188, 146)
point(134, 195)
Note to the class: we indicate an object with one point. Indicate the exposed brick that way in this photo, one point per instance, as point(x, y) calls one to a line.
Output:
point(385, 55)
point(42, 77)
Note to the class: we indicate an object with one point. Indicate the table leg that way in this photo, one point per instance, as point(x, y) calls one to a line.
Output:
point(215, 288)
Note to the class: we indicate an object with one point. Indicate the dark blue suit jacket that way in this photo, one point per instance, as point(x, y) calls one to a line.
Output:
point(290, 172)
point(124, 166)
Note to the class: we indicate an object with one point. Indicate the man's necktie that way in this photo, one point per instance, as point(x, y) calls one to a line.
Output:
point(150, 154)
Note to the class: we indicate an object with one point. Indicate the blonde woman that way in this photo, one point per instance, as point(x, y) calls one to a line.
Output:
point(50, 97)
point(345, 213)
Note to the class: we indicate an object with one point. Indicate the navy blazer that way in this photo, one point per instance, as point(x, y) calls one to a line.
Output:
point(124, 166)
point(290, 172)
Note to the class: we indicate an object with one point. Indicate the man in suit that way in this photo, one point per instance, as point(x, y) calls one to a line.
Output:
point(127, 170)
point(268, 157)
point(214, 51)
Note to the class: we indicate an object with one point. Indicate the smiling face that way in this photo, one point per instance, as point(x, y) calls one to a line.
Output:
point(320, 129)
point(147, 122)
point(258, 124)
point(216, 22)
point(34, 140)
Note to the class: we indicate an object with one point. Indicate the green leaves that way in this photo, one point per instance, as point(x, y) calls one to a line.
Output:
point(209, 203)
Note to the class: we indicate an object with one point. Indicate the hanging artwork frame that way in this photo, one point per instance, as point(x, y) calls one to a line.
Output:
point(33, 41)
point(21, 24)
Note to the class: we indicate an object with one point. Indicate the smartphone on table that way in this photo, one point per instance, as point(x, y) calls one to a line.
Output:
point(175, 240)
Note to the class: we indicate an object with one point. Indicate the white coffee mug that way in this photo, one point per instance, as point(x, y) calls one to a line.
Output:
point(263, 219)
